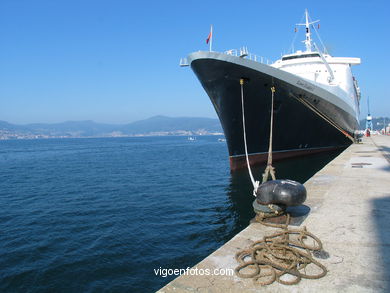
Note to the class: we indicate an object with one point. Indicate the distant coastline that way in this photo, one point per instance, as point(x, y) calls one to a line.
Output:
point(9, 136)
point(154, 126)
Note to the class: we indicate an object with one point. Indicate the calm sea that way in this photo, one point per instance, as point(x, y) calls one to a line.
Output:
point(83, 215)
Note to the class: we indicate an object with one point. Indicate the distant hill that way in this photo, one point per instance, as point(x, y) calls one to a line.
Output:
point(72, 128)
point(169, 124)
point(12, 127)
point(158, 125)
point(377, 123)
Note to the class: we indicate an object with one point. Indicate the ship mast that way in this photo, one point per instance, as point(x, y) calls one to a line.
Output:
point(308, 34)
point(307, 24)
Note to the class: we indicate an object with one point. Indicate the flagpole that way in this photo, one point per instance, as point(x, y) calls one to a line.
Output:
point(211, 38)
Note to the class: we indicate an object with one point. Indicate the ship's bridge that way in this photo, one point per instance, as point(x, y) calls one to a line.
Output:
point(312, 57)
point(320, 68)
point(299, 55)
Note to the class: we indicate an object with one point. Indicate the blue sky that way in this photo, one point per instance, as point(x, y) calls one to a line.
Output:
point(117, 61)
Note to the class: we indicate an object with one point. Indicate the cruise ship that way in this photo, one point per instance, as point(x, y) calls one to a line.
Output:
point(314, 97)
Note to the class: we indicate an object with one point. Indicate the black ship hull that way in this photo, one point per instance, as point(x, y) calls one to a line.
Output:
point(305, 119)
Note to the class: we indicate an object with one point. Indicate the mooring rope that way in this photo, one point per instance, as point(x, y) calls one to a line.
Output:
point(269, 170)
point(286, 252)
point(312, 108)
point(254, 183)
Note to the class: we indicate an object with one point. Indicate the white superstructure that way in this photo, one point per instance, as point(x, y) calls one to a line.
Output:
point(331, 73)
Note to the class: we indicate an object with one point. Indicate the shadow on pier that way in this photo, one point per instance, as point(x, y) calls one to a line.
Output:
point(381, 219)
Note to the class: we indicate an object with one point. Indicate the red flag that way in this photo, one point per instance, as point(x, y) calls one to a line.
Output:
point(209, 37)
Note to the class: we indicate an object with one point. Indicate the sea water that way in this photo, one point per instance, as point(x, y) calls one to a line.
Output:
point(104, 214)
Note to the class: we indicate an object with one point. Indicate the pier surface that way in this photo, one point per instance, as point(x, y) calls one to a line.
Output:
point(349, 203)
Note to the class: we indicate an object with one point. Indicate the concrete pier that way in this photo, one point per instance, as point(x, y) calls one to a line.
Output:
point(349, 203)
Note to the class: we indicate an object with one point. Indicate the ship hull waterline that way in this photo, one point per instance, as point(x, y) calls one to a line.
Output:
point(298, 130)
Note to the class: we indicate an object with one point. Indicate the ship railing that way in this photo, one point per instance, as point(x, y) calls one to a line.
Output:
point(244, 53)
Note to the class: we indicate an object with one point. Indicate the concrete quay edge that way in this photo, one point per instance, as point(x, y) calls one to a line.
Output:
point(349, 201)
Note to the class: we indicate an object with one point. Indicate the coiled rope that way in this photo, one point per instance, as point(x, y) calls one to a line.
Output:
point(286, 252)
